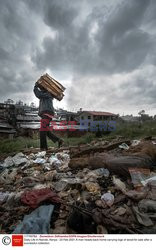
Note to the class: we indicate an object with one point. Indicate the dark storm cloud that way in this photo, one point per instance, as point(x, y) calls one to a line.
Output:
point(115, 93)
point(123, 45)
point(16, 43)
point(117, 44)
point(105, 46)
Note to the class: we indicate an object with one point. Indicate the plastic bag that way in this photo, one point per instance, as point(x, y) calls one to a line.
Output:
point(38, 222)
point(102, 172)
point(19, 159)
point(39, 161)
point(124, 146)
point(119, 184)
point(54, 161)
point(139, 176)
point(8, 162)
point(41, 154)
point(145, 182)
point(108, 199)
point(135, 143)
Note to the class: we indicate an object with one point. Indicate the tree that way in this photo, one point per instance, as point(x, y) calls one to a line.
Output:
point(9, 101)
point(142, 112)
point(32, 105)
point(144, 116)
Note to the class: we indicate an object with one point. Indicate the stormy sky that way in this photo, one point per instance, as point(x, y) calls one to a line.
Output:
point(103, 52)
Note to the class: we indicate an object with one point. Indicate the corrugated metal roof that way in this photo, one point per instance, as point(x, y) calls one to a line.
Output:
point(5, 125)
point(10, 131)
point(30, 125)
point(99, 113)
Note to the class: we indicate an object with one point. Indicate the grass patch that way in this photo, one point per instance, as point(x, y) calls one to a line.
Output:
point(133, 130)
point(20, 143)
point(127, 130)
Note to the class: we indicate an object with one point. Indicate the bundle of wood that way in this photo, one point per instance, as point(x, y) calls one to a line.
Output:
point(52, 86)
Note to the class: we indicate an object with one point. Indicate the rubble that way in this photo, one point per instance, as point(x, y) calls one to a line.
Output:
point(17, 160)
point(91, 191)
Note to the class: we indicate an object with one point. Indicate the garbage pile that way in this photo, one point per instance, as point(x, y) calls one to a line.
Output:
point(89, 191)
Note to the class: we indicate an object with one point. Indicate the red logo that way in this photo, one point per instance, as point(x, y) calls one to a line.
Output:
point(17, 240)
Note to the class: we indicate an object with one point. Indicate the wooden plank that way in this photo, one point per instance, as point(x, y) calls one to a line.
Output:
point(56, 82)
point(51, 85)
point(46, 86)
point(95, 149)
point(59, 94)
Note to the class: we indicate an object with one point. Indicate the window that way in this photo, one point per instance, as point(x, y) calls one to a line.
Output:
point(82, 117)
point(89, 117)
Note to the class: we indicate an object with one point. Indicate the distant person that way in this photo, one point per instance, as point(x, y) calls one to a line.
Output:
point(46, 112)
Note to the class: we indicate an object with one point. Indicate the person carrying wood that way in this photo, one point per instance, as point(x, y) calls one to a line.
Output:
point(46, 112)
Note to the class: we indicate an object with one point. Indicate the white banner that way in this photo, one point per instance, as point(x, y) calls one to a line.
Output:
point(38, 241)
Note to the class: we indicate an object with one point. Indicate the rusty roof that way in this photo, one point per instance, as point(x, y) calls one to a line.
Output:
point(99, 113)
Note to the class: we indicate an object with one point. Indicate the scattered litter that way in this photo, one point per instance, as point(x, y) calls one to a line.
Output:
point(119, 184)
point(3, 197)
point(120, 211)
point(38, 222)
point(19, 159)
point(124, 146)
point(40, 161)
point(154, 142)
point(34, 197)
point(102, 172)
point(142, 217)
point(93, 187)
point(54, 161)
point(139, 176)
point(108, 199)
point(101, 190)
point(136, 195)
point(135, 143)
point(8, 162)
point(147, 206)
point(8, 176)
point(41, 154)
point(63, 156)
point(67, 183)
point(47, 166)
point(145, 182)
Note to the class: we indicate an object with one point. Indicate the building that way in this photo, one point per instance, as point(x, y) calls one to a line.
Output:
point(64, 115)
point(96, 116)
point(17, 119)
point(6, 130)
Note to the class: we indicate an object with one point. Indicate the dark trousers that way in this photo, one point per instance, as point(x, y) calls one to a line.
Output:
point(44, 132)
